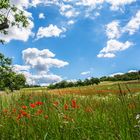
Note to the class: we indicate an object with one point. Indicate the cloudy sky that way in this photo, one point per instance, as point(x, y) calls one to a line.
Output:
point(75, 39)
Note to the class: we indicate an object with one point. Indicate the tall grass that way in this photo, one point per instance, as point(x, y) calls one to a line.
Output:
point(69, 117)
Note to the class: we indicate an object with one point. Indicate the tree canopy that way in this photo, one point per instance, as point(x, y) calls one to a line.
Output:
point(10, 15)
point(8, 78)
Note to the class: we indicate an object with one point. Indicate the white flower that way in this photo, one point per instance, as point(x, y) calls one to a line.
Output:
point(137, 116)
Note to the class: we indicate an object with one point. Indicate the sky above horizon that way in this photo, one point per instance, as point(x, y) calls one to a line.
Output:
point(74, 39)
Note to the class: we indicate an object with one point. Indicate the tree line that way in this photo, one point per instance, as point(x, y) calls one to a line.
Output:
point(95, 81)
point(65, 84)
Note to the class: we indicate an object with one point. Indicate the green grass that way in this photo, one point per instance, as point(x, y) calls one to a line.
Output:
point(70, 117)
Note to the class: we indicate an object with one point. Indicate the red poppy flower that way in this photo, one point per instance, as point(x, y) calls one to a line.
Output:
point(73, 104)
point(32, 105)
point(24, 107)
point(39, 103)
point(39, 112)
point(19, 116)
point(66, 107)
point(25, 114)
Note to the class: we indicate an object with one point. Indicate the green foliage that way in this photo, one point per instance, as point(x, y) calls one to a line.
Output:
point(65, 84)
point(6, 9)
point(123, 77)
point(8, 78)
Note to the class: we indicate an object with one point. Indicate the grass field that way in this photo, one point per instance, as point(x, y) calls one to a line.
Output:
point(109, 111)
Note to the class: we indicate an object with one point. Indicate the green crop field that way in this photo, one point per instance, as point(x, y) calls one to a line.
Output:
point(83, 113)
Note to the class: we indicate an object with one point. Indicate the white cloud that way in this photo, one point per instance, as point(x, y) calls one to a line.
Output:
point(92, 3)
point(15, 33)
point(18, 68)
point(133, 25)
point(132, 71)
point(70, 22)
point(50, 31)
point(85, 73)
point(116, 4)
point(41, 16)
point(106, 55)
point(112, 47)
point(41, 60)
point(113, 30)
point(34, 52)
point(35, 3)
point(119, 73)
point(44, 79)
point(37, 66)
point(68, 10)
point(21, 3)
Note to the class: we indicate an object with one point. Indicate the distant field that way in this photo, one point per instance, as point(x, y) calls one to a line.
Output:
point(103, 88)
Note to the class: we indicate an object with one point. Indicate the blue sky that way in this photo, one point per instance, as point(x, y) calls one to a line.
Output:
point(75, 39)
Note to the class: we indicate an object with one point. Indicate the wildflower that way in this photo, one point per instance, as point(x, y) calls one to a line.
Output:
point(67, 118)
point(137, 116)
point(88, 109)
point(19, 116)
point(24, 107)
point(5, 111)
point(66, 107)
point(14, 110)
point(32, 105)
point(39, 112)
point(73, 104)
point(39, 103)
point(46, 117)
point(24, 113)
point(55, 103)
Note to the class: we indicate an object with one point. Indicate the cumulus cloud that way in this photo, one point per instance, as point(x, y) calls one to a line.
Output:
point(68, 10)
point(118, 73)
point(106, 55)
point(133, 25)
point(18, 68)
point(21, 3)
point(15, 33)
point(116, 4)
point(112, 47)
point(37, 66)
point(41, 16)
point(113, 30)
point(70, 22)
point(41, 60)
point(50, 31)
point(132, 71)
point(92, 3)
point(85, 73)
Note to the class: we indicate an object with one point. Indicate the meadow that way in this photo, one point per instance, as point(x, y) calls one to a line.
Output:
point(109, 111)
